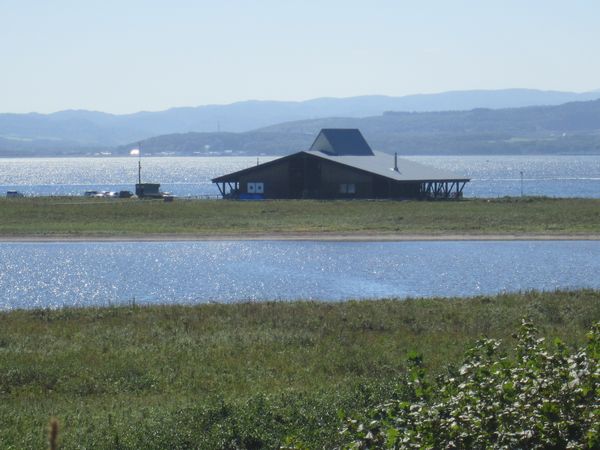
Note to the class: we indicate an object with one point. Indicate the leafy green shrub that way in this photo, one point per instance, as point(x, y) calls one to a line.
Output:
point(541, 397)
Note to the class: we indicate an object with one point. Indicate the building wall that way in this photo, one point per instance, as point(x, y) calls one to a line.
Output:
point(406, 190)
point(307, 176)
point(333, 176)
point(275, 179)
point(386, 188)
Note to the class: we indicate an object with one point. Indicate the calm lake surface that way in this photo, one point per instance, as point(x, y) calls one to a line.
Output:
point(492, 176)
point(53, 275)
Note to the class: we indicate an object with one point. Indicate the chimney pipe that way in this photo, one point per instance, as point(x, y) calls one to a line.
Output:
point(396, 161)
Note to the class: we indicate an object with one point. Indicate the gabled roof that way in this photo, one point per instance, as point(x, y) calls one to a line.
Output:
point(341, 141)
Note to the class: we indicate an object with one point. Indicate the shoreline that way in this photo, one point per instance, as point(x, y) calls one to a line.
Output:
point(299, 236)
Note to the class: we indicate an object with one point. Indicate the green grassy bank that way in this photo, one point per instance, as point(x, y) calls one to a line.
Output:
point(99, 217)
point(249, 375)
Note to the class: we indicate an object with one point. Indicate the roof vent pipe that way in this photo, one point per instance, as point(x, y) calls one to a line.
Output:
point(396, 161)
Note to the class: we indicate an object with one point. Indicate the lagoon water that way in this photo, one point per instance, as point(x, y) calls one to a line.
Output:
point(35, 275)
point(492, 176)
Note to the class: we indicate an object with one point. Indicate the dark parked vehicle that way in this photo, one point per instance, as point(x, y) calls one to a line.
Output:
point(125, 194)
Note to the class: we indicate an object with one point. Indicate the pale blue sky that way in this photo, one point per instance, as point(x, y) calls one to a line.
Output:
point(130, 55)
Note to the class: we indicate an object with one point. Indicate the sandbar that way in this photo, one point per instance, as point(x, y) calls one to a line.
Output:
point(303, 236)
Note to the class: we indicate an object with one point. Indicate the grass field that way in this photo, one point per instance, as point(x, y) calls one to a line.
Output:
point(99, 217)
point(251, 375)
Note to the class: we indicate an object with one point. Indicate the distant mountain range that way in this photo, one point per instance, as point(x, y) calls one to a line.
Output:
point(569, 128)
point(473, 121)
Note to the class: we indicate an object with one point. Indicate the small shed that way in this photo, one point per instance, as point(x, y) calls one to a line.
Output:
point(341, 164)
point(148, 190)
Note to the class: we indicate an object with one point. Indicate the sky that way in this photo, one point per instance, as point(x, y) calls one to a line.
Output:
point(131, 55)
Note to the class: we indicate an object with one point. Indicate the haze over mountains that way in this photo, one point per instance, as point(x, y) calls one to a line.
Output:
point(508, 124)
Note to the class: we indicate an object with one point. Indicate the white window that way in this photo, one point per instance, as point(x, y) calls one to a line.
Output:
point(256, 188)
point(347, 188)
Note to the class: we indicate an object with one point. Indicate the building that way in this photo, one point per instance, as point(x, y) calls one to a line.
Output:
point(341, 164)
point(148, 190)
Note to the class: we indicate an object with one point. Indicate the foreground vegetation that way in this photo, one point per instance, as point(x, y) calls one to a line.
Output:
point(98, 217)
point(251, 375)
point(545, 397)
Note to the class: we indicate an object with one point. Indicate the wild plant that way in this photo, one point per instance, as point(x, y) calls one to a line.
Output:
point(541, 397)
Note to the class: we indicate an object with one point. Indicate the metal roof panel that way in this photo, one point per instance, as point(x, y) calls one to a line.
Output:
point(381, 163)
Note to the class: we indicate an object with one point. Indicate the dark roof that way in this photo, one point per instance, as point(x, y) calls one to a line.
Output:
point(341, 141)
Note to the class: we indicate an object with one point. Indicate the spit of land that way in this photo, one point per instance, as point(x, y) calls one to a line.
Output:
point(54, 218)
